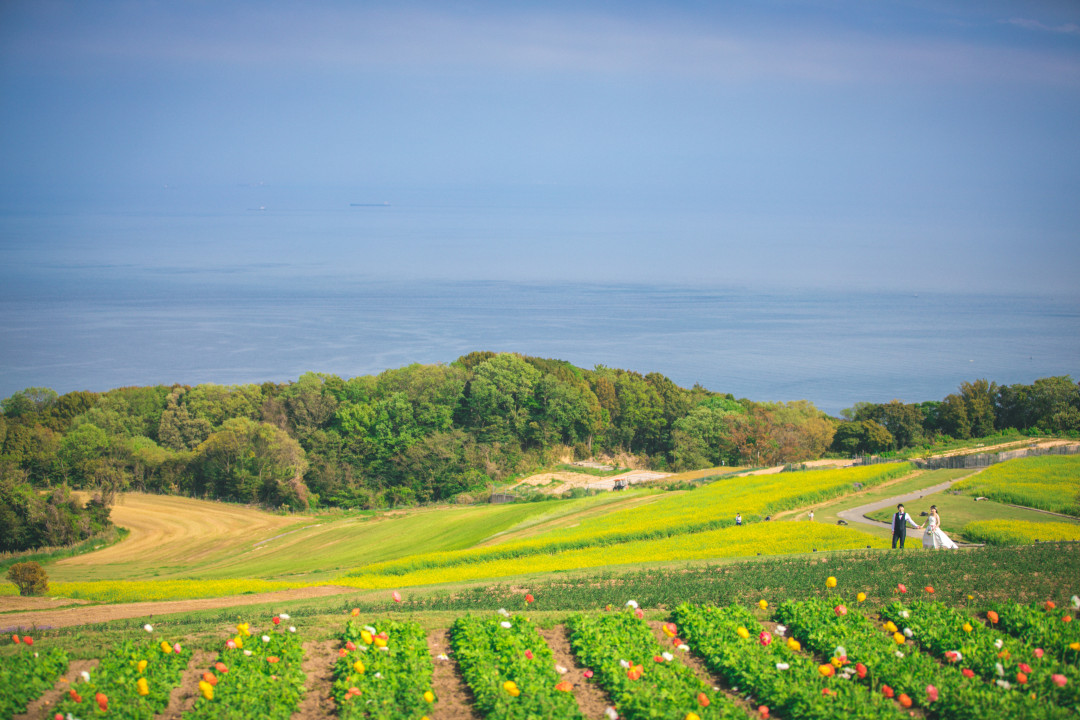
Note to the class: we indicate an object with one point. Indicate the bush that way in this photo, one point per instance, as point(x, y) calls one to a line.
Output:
point(29, 577)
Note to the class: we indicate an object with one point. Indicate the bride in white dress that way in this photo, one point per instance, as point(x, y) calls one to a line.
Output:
point(934, 537)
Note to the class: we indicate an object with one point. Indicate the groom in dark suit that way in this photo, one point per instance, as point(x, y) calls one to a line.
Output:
point(900, 522)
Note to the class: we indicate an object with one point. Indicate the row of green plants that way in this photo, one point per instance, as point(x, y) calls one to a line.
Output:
point(383, 672)
point(993, 655)
point(133, 681)
point(1043, 627)
point(27, 673)
point(253, 676)
point(641, 676)
point(510, 669)
point(771, 669)
point(890, 664)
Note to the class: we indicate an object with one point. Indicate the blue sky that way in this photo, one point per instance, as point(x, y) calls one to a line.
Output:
point(892, 144)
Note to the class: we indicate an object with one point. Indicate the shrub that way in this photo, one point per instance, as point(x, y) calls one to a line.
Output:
point(29, 577)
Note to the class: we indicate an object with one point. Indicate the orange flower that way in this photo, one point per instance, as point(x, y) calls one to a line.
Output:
point(703, 699)
point(564, 686)
point(905, 701)
point(992, 617)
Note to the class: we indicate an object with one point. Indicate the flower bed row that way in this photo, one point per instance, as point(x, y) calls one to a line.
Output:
point(997, 657)
point(383, 672)
point(132, 681)
point(1043, 626)
point(737, 648)
point(887, 664)
point(640, 675)
point(27, 674)
point(253, 676)
point(510, 669)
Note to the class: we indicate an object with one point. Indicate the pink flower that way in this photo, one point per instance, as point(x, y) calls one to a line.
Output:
point(588, 673)
point(900, 588)
point(1039, 653)
point(931, 693)
point(1059, 680)
point(528, 654)
point(1024, 667)
point(640, 614)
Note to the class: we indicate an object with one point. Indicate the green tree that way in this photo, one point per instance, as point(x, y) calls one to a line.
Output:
point(953, 417)
point(979, 397)
point(252, 461)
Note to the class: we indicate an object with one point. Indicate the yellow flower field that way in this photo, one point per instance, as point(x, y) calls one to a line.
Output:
point(1020, 532)
point(704, 509)
point(766, 538)
point(1049, 483)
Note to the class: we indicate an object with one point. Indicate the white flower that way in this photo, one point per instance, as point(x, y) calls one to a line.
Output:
point(378, 676)
point(959, 655)
point(1076, 601)
point(284, 616)
point(667, 656)
point(506, 624)
point(907, 632)
point(560, 669)
point(1004, 684)
point(780, 630)
point(899, 654)
point(684, 648)
point(85, 676)
point(266, 638)
point(625, 664)
point(504, 612)
point(148, 627)
point(632, 603)
point(371, 630)
point(998, 643)
point(782, 666)
point(1000, 669)
point(840, 651)
point(384, 648)
point(248, 653)
point(905, 614)
point(443, 656)
point(612, 715)
point(292, 628)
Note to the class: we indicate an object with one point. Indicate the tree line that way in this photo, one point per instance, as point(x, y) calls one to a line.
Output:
point(427, 433)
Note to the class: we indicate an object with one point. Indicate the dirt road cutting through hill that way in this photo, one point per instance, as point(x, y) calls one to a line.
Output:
point(91, 614)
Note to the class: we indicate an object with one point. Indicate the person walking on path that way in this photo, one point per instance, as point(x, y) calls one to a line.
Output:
point(900, 521)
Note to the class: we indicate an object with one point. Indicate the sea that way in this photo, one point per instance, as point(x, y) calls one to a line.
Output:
point(84, 306)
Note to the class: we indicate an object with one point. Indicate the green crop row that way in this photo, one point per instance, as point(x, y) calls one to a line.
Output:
point(253, 676)
point(383, 672)
point(510, 668)
point(1043, 626)
point(901, 669)
point(132, 681)
point(642, 677)
point(995, 656)
point(27, 674)
point(736, 647)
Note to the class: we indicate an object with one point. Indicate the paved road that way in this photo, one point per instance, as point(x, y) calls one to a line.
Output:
point(858, 514)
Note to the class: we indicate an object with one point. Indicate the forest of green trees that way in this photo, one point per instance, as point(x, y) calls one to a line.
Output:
point(427, 433)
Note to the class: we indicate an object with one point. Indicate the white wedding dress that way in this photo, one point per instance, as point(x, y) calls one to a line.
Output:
point(934, 537)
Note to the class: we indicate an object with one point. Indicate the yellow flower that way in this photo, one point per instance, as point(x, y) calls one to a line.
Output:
point(207, 689)
point(166, 647)
point(1074, 646)
point(511, 687)
point(830, 582)
point(763, 604)
point(239, 642)
point(898, 638)
point(794, 644)
point(142, 665)
point(743, 633)
point(365, 637)
point(967, 627)
point(861, 597)
point(429, 696)
point(692, 716)
point(142, 687)
point(358, 667)
point(891, 626)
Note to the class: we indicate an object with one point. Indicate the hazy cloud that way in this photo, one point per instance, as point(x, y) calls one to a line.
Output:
point(1066, 29)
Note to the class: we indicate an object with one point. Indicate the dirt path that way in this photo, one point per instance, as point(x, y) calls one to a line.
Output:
point(590, 698)
point(88, 615)
point(454, 700)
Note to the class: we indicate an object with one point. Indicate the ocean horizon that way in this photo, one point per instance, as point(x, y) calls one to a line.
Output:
point(831, 347)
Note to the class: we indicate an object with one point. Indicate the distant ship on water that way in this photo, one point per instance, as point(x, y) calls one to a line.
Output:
point(380, 204)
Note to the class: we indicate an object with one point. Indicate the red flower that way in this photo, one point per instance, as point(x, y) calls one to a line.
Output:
point(887, 691)
point(1024, 667)
point(529, 598)
point(765, 637)
point(900, 588)
point(763, 711)
point(860, 670)
point(840, 611)
point(276, 620)
point(929, 589)
point(528, 654)
point(588, 673)
point(350, 645)
point(968, 673)
point(28, 640)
